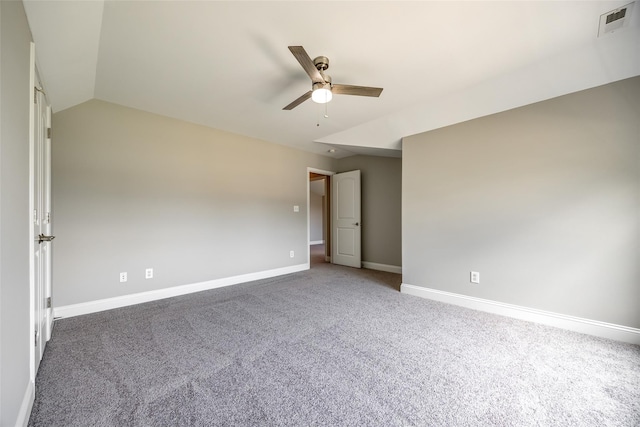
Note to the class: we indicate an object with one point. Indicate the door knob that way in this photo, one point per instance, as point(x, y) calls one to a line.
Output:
point(356, 224)
point(43, 238)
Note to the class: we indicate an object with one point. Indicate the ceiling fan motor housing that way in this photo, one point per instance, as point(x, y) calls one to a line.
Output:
point(327, 82)
point(321, 63)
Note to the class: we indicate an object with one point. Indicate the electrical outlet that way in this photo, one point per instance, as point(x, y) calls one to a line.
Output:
point(296, 208)
point(148, 273)
point(291, 254)
point(475, 277)
point(123, 277)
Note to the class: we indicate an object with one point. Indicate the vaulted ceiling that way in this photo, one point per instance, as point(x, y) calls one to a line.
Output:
point(226, 64)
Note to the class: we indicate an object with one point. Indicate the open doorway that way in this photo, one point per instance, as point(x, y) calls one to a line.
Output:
point(319, 216)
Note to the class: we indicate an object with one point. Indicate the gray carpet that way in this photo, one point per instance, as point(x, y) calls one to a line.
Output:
point(333, 346)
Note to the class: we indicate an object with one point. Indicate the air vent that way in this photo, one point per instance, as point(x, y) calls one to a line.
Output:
point(615, 20)
point(616, 15)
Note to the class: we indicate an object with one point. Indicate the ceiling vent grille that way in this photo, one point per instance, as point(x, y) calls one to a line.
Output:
point(615, 20)
point(616, 15)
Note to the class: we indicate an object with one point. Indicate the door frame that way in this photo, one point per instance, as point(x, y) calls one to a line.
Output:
point(32, 215)
point(328, 174)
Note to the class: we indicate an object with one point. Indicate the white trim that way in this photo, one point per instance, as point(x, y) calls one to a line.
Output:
point(317, 242)
point(32, 207)
point(142, 297)
point(382, 267)
point(319, 171)
point(27, 405)
point(577, 324)
point(50, 325)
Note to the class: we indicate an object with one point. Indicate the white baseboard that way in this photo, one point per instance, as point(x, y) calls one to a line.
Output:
point(317, 242)
point(142, 297)
point(382, 267)
point(578, 324)
point(26, 406)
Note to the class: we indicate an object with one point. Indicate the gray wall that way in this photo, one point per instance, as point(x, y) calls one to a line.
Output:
point(543, 201)
point(315, 217)
point(134, 190)
point(14, 209)
point(381, 207)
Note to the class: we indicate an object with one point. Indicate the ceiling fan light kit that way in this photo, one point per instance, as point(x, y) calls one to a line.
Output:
point(322, 88)
point(321, 93)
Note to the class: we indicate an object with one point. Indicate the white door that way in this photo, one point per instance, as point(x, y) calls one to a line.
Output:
point(40, 177)
point(346, 219)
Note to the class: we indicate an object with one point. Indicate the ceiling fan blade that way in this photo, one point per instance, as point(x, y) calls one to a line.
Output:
point(298, 101)
point(306, 62)
point(356, 90)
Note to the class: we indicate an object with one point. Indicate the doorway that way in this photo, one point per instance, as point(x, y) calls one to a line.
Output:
point(319, 216)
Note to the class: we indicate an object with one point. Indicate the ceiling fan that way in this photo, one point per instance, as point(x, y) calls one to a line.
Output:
point(322, 89)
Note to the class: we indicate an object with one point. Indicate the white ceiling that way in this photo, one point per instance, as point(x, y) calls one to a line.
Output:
point(226, 64)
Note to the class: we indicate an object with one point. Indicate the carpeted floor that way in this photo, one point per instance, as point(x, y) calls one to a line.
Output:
point(332, 346)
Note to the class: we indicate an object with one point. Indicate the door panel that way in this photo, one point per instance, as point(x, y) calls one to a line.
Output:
point(346, 196)
point(346, 219)
point(346, 241)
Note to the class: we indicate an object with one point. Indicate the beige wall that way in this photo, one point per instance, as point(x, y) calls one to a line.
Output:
point(543, 201)
point(15, 104)
point(381, 207)
point(134, 190)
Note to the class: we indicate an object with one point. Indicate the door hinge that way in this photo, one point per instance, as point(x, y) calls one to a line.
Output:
point(48, 133)
point(35, 338)
point(48, 302)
